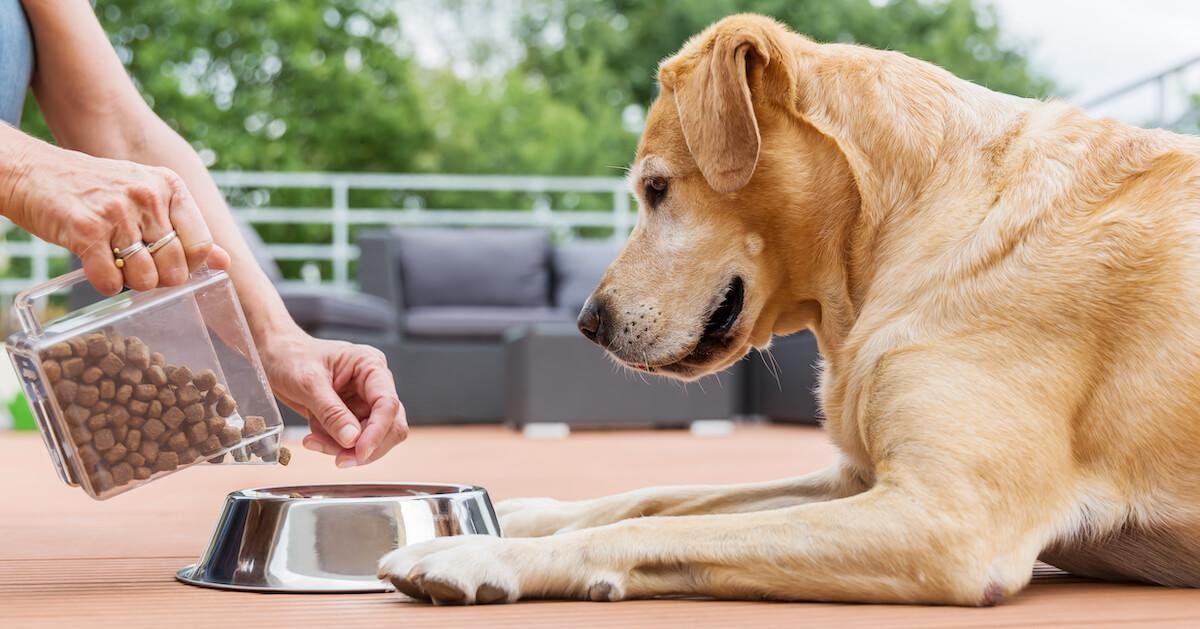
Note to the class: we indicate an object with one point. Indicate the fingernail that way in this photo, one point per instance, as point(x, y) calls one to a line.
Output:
point(347, 434)
point(345, 463)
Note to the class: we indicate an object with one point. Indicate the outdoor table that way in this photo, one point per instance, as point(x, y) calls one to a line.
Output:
point(68, 560)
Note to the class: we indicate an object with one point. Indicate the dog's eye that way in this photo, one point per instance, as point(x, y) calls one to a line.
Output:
point(656, 190)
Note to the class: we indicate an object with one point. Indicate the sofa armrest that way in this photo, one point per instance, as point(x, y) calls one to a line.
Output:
point(379, 270)
point(322, 309)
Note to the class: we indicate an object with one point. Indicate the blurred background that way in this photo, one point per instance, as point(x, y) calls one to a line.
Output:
point(328, 119)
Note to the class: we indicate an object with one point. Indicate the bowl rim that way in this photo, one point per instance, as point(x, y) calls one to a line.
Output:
point(281, 493)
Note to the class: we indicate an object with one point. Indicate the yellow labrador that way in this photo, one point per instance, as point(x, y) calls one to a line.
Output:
point(1007, 296)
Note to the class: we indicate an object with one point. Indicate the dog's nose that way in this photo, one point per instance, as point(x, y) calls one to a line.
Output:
point(591, 319)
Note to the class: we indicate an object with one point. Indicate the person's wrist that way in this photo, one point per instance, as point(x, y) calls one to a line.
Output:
point(16, 157)
point(270, 329)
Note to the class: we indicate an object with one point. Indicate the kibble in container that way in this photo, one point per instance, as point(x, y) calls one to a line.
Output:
point(145, 383)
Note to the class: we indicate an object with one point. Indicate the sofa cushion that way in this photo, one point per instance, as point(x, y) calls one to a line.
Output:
point(474, 267)
point(475, 321)
point(323, 307)
point(578, 266)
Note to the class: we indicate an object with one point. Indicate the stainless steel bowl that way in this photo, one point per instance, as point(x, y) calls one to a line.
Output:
point(329, 538)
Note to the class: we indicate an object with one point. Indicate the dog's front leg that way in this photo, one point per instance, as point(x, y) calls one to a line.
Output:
point(535, 517)
point(886, 545)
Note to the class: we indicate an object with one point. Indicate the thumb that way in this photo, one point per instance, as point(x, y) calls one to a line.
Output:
point(331, 413)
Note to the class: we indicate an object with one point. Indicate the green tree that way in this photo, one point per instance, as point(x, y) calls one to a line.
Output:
point(259, 84)
point(630, 37)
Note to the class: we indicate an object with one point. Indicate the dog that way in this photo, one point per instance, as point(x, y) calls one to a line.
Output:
point(1006, 294)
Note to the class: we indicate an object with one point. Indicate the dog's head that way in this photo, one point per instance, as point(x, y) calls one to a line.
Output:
point(729, 186)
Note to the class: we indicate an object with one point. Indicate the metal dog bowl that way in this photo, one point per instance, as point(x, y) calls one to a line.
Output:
point(329, 538)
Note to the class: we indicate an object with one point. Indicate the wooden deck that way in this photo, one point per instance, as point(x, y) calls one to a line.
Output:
point(67, 560)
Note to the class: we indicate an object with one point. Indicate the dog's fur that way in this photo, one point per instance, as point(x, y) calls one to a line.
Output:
point(1007, 296)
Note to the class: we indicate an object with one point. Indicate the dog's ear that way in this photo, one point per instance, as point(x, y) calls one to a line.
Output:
point(713, 98)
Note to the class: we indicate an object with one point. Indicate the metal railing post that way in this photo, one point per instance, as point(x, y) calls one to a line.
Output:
point(341, 232)
point(621, 222)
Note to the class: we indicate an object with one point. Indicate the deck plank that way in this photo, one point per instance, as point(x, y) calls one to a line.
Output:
point(66, 560)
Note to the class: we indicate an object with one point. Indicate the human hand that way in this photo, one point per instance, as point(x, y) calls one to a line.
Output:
point(344, 390)
point(91, 205)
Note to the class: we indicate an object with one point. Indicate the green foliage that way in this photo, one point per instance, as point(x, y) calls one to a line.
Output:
point(319, 84)
point(630, 37)
point(298, 85)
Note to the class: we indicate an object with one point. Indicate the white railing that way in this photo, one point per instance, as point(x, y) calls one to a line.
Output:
point(1169, 96)
point(340, 216)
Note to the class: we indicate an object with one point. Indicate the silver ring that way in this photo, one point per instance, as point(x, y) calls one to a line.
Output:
point(122, 254)
point(131, 250)
point(161, 242)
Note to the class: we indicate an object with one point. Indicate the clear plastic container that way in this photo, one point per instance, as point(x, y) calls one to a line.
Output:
point(145, 383)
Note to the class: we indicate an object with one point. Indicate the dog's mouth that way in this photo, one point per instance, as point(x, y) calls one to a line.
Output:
point(718, 333)
point(721, 321)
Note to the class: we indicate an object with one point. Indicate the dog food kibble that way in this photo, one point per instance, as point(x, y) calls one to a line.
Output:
point(103, 439)
point(156, 375)
point(77, 414)
point(53, 371)
point(188, 394)
point(226, 406)
point(181, 376)
point(177, 442)
point(91, 375)
point(172, 417)
point(116, 453)
point(205, 380)
point(197, 432)
point(253, 426)
point(138, 407)
point(214, 394)
point(111, 365)
point(229, 435)
point(132, 415)
point(167, 460)
point(136, 353)
point(65, 391)
point(81, 434)
point(87, 395)
point(194, 413)
point(78, 346)
point(149, 449)
point(210, 445)
point(131, 375)
point(73, 367)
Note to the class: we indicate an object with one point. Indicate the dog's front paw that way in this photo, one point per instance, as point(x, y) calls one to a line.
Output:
point(479, 569)
point(539, 517)
point(461, 570)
